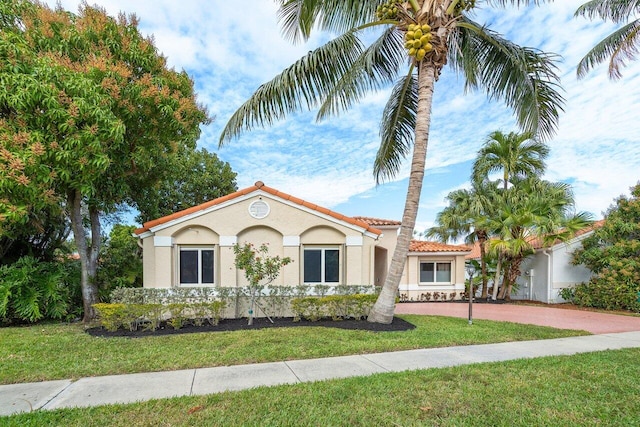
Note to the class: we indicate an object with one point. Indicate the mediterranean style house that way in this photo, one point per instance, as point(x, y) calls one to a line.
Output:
point(194, 247)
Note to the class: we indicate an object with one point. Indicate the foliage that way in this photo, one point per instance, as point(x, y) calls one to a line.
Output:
point(258, 267)
point(620, 46)
point(191, 177)
point(33, 290)
point(149, 316)
point(335, 306)
point(120, 263)
point(43, 236)
point(612, 253)
point(346, 69)
point(90, 114)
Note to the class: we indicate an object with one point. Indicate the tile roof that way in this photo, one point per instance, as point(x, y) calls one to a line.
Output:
point(425, 246)
point(259, 185)
point(377, 222)
point(538, 243)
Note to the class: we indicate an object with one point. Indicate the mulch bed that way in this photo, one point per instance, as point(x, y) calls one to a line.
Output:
point(226, 325)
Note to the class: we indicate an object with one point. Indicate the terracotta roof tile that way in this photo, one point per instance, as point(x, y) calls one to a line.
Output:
point(425, 246)
point(258, 186)
point(538, 243)
point(377, 222)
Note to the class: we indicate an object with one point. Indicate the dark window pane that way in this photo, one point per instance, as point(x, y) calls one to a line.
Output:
point(443, 272)
point(331, 266)
point(426, 272)
point(312, 265)
point(207, 266)
point(189, 267)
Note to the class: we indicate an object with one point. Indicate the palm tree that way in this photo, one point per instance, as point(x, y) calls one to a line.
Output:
point(516, 155)
point(418, 38)
point(465, 217)
point(621, 45)
point(532, 209)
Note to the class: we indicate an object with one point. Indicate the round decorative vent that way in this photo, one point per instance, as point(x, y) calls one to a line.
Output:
point(259, 209)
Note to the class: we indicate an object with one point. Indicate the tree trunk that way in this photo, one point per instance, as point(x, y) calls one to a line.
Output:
point(88, 253)
point(383, 309)
point(483, 266)
point(496, 281)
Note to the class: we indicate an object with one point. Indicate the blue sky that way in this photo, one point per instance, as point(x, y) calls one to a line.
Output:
point(229, 50)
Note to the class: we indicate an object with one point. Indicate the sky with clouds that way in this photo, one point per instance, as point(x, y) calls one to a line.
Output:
point(230, 48)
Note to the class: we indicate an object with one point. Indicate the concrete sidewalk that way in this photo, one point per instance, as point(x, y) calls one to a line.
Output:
point(95, 391)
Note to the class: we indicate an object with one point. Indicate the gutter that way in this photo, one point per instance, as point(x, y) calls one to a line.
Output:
point(549, 284)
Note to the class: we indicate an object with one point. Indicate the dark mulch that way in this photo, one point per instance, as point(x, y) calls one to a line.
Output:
point(258, 323)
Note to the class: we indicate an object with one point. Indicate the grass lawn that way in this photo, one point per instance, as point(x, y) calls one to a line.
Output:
point(59, 351)
point(601, 388)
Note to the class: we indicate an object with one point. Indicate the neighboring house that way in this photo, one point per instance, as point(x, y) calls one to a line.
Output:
point(194, 247)
point(550, 269)
point(433, 267)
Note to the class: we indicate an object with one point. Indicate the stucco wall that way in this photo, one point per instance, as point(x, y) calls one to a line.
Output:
point(287, 229)
point(410, 286)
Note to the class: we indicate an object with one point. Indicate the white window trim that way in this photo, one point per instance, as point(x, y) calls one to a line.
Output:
point(322, 263)
point(199, 249)
point(436, 261)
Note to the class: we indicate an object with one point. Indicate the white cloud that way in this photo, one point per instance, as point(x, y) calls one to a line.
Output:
point(229, 50)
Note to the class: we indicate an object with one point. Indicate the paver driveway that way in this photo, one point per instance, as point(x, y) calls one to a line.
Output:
point(596, 323)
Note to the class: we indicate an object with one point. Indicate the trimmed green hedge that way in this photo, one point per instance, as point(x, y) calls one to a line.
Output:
point(335, 306)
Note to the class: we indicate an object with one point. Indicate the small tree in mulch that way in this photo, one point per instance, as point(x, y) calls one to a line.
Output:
point(260, 269)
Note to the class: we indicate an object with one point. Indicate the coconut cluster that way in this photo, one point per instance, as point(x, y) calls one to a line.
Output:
point(389, 10)
point(418, 40)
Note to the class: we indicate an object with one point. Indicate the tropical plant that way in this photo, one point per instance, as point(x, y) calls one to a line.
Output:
point(612, 253)
point(516, 155)
point(532, 210)
point(120, 263)
point(92, 114)
point(33, 290)
point(621, 45)
point(260, 269)
point(416, 40)
point(464, 217)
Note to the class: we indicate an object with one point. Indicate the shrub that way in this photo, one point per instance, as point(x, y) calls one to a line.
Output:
point(335, 306)
point(33, 290)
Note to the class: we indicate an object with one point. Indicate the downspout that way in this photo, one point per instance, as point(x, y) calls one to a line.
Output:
point(549, 285)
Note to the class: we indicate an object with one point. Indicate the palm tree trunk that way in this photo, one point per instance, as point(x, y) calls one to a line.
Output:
point(496, 281)
point(483, 267)
point(383, 309)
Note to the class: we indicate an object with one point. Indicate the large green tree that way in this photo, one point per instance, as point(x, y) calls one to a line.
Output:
point(612, 253)
point(190, 178)
point(618, 47)
point(416, 40)
point(89, 111)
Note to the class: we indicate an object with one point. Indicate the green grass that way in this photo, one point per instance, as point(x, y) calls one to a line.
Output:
point(601, 388)
point(48, 352)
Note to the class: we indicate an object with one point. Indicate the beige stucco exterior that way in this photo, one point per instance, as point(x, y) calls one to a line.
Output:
point(288, 225)
point(287, 229)
point(411, 289)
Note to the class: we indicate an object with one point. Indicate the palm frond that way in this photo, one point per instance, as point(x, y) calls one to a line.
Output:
point(516, 3)
point(613, 10)
point(619, 46)
point(378, 66)
point(397, 128)
point(298, 17)
point(524, 78)
point(303, 85)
